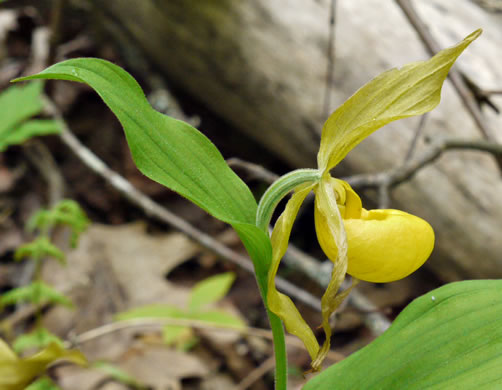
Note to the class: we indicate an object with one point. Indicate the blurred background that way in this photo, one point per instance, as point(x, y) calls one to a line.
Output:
point(259, 79)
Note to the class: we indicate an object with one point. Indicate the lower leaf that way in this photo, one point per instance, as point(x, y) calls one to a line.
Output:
point(450, 338)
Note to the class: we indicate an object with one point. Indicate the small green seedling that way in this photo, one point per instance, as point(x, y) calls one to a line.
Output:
point(18, 105)
point(66, 213)
point(202, 297)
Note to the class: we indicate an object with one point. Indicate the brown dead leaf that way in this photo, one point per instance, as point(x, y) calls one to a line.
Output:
point(116, 268)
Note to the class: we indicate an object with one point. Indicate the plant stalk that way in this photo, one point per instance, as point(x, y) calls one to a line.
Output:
point(274, 194)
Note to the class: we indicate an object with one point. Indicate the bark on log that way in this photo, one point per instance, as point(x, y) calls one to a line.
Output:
point(262, 66)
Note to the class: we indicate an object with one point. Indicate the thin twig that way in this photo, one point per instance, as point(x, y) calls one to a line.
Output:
point(416, 137)
point(264, 368)
point(118, 326)
point(154, 210)
point(489, 92)
point(41, 158)
point(384, 195)
point(257, 171)
point(481, 96)
point(405, 172)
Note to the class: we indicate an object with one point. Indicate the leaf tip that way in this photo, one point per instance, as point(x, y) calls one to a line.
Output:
point(18, 79)
point(475, 34)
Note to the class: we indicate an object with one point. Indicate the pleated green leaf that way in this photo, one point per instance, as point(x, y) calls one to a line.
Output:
point(450, 338)
point(168, 151)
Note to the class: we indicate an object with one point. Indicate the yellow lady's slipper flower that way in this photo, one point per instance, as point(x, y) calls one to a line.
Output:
point(383, 245)
point(376, 245)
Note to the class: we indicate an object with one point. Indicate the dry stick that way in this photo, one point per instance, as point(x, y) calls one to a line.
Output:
point(41, 158)
point(118, 326)
point(384, 195)
point(384, 187)
point(255, 170)
point(267, 366)
point(416, 137)
point(455, 76)
point(154, 210)
point(405, 172)
point(488, 92)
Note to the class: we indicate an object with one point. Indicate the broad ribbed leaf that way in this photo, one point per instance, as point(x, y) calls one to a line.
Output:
point(450, 338)
point(411, 90)
point(166, 150)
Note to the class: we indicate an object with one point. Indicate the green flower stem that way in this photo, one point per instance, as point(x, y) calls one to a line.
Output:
point(278, 190)
point(281, 358)
point(275, 193)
